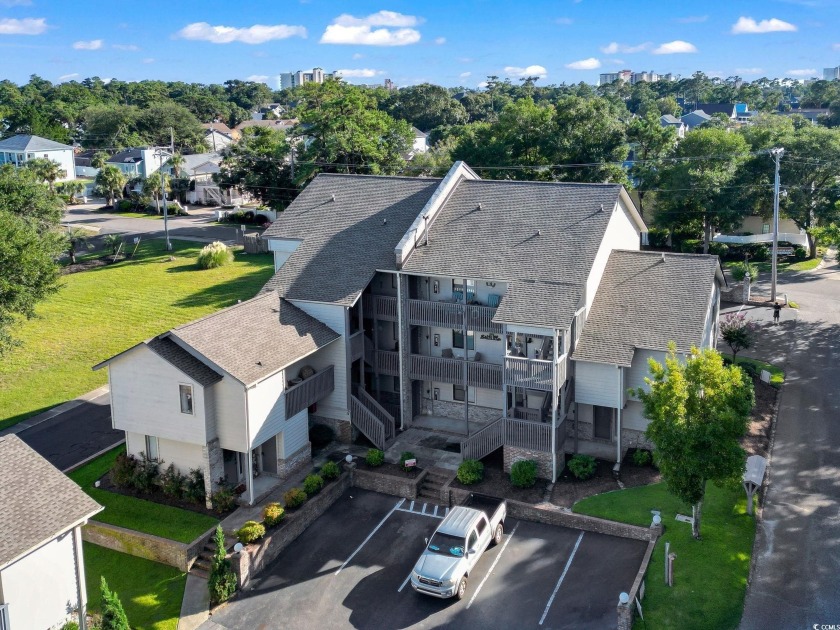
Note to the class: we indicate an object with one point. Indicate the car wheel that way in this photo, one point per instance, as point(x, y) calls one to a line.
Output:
point(497, 537)
point(462, 588)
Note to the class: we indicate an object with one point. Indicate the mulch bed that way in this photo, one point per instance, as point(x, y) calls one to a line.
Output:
point(568, 490)
point(105, 483)
point(757, 440)
point(394, 470)
point(85, 265)
point(496, 483)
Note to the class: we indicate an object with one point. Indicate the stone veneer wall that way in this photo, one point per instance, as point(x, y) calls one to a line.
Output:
point(627, 611)
point(341, 428)
point(631, 438)
point(297, 461)
point(455, 410)
point(403, 486)
point(175, 554)
point(513, 454)
point(214, 469)
point(585, 430)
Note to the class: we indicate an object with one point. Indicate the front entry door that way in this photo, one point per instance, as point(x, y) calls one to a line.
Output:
point(602, 422)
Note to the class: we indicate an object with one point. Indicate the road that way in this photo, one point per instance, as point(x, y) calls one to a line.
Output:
point(797, 555)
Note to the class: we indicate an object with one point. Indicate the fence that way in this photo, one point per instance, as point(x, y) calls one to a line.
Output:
point(364, 420)
point(311, 390)
point(485, 441)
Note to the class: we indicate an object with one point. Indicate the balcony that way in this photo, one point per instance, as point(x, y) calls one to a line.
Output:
point(424, 368)
point(309, 391)
point(529, 373)
point(380, 307)
point(534, 436)
point(388, 362)
point(357, 345)
point(452, 315)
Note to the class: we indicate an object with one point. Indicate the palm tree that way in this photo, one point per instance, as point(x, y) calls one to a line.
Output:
point(110, 179)
point(47, 170)
point(99, 159)
point(176, 162)
point(76, 239)
point(152, 184)
point(113, 242)
point(72, 188)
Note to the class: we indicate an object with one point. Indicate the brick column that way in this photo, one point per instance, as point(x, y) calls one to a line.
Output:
point(213, 469)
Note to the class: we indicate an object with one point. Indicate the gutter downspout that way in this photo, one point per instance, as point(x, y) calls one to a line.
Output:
point(554, 401)
point(618, 415)
point(400, 354)
point(248, 452)
point(81, 591)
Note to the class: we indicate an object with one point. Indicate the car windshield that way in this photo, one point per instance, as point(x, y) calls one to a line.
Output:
point(447, 545)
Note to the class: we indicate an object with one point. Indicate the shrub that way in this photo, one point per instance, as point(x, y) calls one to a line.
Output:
point(124, 205)
point(523, 474)
point(749, 369)
point(404, 457)
point(251, 531)
point(312, 484)
point(223, 500)
point(470, 471)
point(123, 470)
point(236, 217)
point(658, 238)
point(641, 457)
point(738, 271)
point(248, 217)
point(719, 249)
point(70, 625)
point(214, 255)
point(113, 614)
point(222, 580)
point(272, 514)
point(799, 252)
point(294, 498)
point(146, 474)
point(172, 482)
point(194, 487)
point(320, 435)
point(261, 219)
point(330, 471)
point(582, 466)
point(690, 246)
point(760, 252)
point(374, 457)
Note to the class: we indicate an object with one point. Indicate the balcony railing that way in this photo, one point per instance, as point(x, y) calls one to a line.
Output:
point(311, 390)
point(369, 351)
point(534, 436)
point(529, 373)
point(357, 345)
point(480, 318)
point(364, 420)
point(486, 375)
point(424, 368)
point(388, 362)
point(451, 315)
point(380, 307)
point(525, 413)
point(485, 441)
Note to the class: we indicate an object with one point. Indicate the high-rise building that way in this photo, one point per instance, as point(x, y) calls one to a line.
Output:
point(831, 74)
point(628, 76)
point(294, 79)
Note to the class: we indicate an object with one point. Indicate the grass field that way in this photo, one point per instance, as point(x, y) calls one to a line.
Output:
point(777, 375)
point(150, 592)
point(710, 575)
point(99, 313)
point(137, 514)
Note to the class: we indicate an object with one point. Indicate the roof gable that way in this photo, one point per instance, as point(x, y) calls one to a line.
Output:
point(23, 142)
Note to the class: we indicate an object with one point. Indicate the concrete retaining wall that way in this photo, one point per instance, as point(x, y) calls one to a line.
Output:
point(626, 612)
point(404, 487)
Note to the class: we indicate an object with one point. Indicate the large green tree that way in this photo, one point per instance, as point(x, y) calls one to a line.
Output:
point(650, 142)
point(698, 410)
point(46, 170)
point(426, 106)
point(111, 180)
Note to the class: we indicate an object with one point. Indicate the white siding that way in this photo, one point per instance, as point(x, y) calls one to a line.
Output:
point(596, 384)
point(483, 397)
point(711, 330)
point(266, 409)
point(635, 376)
point(282, 248)
point(633, 417)
point(335, 405)
point(39, 586)
point(621, 233)
point(145, 398)
point(230, 414)
point(295, 435)
point(184, 455)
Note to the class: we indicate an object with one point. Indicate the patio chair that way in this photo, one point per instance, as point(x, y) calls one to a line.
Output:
point(493, 300)
point(446, 353)
point(477, 357)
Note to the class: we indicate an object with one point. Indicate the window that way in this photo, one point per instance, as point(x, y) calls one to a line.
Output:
point(186, 398)
point(458, 339)
point(458, 289)
point(602, 421)
point(458, 393)
point(472, 541)
point(765, 228)
point(482, 525)
point(152, 451)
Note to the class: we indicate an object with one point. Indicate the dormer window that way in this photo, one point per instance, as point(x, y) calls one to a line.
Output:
point(186, 394)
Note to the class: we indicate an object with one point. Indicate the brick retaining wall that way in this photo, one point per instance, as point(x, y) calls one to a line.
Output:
point(403, 487)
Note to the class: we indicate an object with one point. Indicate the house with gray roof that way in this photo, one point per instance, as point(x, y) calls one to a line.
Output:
point(42, 572)
point(444, 312)
point(137, 161)
point(695, 119)
point(669, 120)
point(18, 150)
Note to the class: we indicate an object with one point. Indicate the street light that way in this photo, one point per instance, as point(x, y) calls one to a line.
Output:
point(161, 154)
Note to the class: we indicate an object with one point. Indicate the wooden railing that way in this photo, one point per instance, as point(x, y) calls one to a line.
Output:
point(379, 411)
point(480, 318)
point(562, 369)
point(380, 307)
point(357, 345)
point(388, 362)
point(485, 441)
point(366, 422)
point(530, 373)
point(535, 436)
point(311, 390)
point(424, 368)
point(486, 375)
point(451, 315)
point(525, 413)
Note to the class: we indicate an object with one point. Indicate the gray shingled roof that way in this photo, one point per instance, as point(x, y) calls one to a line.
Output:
point(171, 352)
point(548, 233)
point(31, 143)
point(39, 502)
point(276, 334)
point(643, 302)
point(669, 119)
point(345, 241)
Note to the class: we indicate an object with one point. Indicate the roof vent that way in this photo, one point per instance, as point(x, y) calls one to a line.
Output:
point(479, 206)
point(259, 362)
point(384, 221)
point(663, 256)
point(539, 232)
point(332, 198)
point(602, 208)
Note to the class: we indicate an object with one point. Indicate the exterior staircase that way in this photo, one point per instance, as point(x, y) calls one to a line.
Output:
point(433, 483)
point(204, 561)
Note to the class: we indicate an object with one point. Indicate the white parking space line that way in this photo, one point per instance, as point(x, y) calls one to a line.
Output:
point(560, 581)
point(416, 513)
point(411, 507)
point(407, 578)
point(424, 508)
point(435, 512)
point(493, 566)
point(375, 529)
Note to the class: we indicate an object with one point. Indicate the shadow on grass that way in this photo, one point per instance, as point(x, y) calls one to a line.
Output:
point(5, 423)
point(226, 293)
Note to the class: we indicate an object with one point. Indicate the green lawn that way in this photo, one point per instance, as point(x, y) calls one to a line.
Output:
point(132, 513)
point(777, 375)
point(710, 575)
point(784, 265)
point(150, 592)
point(99, 313)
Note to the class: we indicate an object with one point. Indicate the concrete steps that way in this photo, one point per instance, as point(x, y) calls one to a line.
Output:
point(432, 485)
point(204, 560)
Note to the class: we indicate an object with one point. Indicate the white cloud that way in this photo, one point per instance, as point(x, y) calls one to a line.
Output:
point(128, 47)
point(26, 26)
point(747, 25)
point(94, 44)
point(564, 21)
point(359, 73)
point(836, 46)
point(692, 19)
point(440, 41)
point(394, 30)
point(358, 56)
point(257, 78)
point(802, 72)
point(749, 70)
point(466, 59)
point(675, 47)
point(614, 47)
point(465, 75)
point(149, 60)
point(482, 84)
point(67, 77)
point(256, 34)
point(584, 64)
point(529, 71)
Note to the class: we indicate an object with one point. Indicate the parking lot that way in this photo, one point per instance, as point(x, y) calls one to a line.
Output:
point(351, 568)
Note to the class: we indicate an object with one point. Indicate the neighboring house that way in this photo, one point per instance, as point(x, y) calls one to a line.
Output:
point(137, 162)
point(758, 229)
point(199, 168)
point(450, 306)
point(421, 142)
point(285, 125)
point(18, 150)
point(668, 120)
point(42, 573)
point(813, 114)
point(695, 119)
point(218, 135)
point(727, 109)
point(82, 161)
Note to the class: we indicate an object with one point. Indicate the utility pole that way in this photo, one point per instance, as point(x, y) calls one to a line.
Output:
point(292, 159)
point(777, 154)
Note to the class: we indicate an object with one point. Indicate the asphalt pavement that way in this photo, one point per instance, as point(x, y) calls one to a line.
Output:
point(796, 578)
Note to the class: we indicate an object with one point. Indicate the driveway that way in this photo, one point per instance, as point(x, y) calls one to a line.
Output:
point(350, 570)
point(797, 555)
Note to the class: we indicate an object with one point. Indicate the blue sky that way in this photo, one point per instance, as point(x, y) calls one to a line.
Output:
point(449, 43)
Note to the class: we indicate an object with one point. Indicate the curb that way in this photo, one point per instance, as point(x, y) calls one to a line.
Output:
point(34, 421)
point(70, 469)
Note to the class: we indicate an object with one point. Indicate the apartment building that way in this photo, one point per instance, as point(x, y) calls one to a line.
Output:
point(295, 79)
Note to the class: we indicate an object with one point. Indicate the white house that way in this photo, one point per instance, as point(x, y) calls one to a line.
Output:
point(18, 150)
point(669, 120)
point(42, 574)
point(451, 305)
point(218, 135)
point(421, 141)
point(137, 162)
